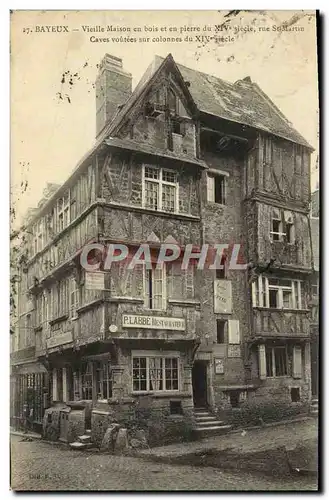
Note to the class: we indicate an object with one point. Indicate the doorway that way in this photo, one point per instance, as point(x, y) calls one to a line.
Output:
point(199, 383)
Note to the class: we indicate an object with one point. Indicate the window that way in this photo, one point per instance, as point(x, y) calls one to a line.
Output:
point(277, 233)
point(178, 127)
point(172, 102)
point(221, 331)
point(280, 293)
point(87, 381)
point(63, 297)
point(315, 291)
point(234, 399)
point(63, 211)
point(221, 274)
point(103, 380)
point(74, 298)
point(282, 226)
point(155, 288)
point(276, 361)
point(176, 408)
point(40, 235)
point(34, 239)
point(160, 189)
point(155, 374)
point(295, 394)
point(216, 189)
point(277, 293)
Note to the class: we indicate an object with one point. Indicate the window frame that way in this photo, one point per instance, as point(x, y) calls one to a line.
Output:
point(160, 183)
point(74, 298)
point(63, 211)
point(285, 219)
point(108, 380)
point(211, 187)
point(163, 357)
point(146, 281)
point(261, 293)
point(272, 350)
point(224, 324)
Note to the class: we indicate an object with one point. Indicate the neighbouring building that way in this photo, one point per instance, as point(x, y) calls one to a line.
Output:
point(190, 158)
point(315, 231)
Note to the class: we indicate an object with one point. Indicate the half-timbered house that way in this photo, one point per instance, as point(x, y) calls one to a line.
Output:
point(188, 158)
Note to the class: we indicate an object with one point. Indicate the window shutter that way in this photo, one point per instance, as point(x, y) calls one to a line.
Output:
point(55, 387)
point(254, 293)
point(146, 286)
point(210, 188)
point(297, 362)
point(164, 287)
point(189, 282)
point(261, 362)
point(233, 331)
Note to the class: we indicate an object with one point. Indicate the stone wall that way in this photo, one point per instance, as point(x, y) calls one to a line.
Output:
point(148, 413)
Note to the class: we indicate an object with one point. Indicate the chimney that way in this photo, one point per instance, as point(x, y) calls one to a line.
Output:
point(113, 87)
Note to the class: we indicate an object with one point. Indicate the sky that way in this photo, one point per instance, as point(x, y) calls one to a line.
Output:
point(53, 119)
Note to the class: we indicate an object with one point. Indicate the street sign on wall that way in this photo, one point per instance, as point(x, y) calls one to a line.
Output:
point(222, 297)
point(95, 280)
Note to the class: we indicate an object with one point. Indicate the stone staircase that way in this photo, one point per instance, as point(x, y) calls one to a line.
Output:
point(207, 425)
point(83, 442)
point(314, 410)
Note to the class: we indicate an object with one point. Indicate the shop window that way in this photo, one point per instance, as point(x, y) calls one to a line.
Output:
point(295, 394)
point(221, 324)
point(155, 374)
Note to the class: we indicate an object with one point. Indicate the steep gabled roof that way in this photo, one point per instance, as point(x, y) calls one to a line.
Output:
point(242, 102)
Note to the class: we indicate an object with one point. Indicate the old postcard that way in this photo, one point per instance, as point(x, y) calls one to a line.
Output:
point(164, 250)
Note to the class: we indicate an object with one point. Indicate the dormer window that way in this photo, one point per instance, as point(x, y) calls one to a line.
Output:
point(178, 127)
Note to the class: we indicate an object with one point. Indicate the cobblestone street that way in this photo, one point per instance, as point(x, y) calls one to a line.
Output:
point(36, 465)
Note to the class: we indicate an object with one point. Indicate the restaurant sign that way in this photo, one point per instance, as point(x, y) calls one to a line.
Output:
point(152, 322)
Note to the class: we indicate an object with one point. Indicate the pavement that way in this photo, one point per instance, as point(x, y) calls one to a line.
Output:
point(292, 445)
point(40, 466)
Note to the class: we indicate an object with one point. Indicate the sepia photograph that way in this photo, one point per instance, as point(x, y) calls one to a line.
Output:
point(164, 250)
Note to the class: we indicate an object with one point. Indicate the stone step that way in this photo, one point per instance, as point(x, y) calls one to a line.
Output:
point(88, 431)
point(202, 414)
point(86, 438)
point(77, 445)
point(212, 423)
point(217, 429)
point(199, 418)
point(315, 400)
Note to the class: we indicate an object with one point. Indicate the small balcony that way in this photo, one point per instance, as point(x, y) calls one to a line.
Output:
point(279, 323)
